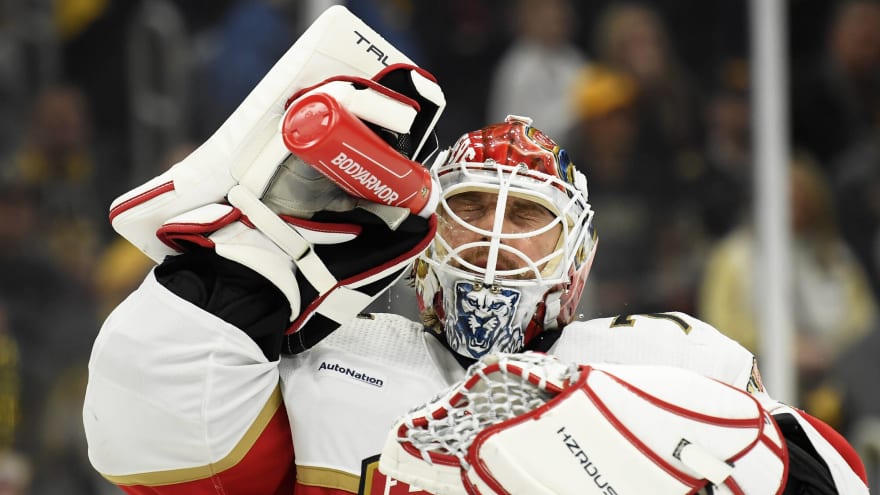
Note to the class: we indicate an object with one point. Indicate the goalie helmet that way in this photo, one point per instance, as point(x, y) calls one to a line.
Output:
point(514, 242)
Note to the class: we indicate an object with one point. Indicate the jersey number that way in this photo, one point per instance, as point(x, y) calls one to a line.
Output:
point(628, 320)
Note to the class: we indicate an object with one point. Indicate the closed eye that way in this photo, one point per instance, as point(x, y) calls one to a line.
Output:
point(468, 206)
point(529, 213)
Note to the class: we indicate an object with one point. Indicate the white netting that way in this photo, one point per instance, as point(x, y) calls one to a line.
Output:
point(486, 396)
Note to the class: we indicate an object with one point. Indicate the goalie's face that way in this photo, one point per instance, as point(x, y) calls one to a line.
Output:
point(515, 239)
point(514, 233)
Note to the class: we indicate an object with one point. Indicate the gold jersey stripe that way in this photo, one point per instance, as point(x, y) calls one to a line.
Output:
point(327, 478)
point(172, 476)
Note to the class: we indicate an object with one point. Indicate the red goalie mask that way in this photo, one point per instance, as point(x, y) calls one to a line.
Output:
point(515, 240)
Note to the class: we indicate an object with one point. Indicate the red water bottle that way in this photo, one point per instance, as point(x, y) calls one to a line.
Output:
point(328, 137)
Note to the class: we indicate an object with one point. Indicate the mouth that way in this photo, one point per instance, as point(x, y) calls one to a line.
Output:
point(478, 343)
point(478, 347)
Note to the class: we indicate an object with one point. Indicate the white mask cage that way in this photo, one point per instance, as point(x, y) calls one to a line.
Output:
point(568, 205)
point(488, 304)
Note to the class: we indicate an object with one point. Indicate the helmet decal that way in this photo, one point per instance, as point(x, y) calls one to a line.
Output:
point(483, 320)
point(566, 167)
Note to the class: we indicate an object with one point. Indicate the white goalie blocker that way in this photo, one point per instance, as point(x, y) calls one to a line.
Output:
point(528, 424)
point(240, 159)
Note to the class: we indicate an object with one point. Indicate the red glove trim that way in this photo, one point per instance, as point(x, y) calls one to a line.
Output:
point(140, 199)
point(196, 233)
point(362, 81)
point(335, 228)
point(840, 444)
point(382, 73)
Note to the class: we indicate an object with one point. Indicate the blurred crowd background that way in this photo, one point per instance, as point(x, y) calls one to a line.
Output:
point(651, 99)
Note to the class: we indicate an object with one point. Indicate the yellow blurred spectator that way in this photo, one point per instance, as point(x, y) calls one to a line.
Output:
point(74, 16)
point(120, 269)
point(600, 90)
point(55, 160)
point(833, 302)
point(9, 383)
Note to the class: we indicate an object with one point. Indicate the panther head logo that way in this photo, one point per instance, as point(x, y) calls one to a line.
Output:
point(482, 320)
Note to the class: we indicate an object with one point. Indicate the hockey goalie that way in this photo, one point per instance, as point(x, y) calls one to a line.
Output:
point(243, 364)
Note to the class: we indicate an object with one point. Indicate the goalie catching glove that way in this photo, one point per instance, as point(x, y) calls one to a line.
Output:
point(527, 424)
point(313, 182)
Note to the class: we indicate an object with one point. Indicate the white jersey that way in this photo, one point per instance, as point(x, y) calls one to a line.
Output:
point(207, 410)
point(344, 394)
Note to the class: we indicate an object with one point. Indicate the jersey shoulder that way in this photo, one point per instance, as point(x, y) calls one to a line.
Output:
point(654, 327)
point(669, 339)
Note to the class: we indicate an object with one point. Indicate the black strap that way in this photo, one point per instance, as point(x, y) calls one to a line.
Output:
point(319, 326)
point(808, 474)
point(544, 340)
point(232, 292)
point(464, 361)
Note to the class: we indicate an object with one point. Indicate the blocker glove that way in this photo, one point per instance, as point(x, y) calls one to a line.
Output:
point(329, 254)
point(315, 187)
